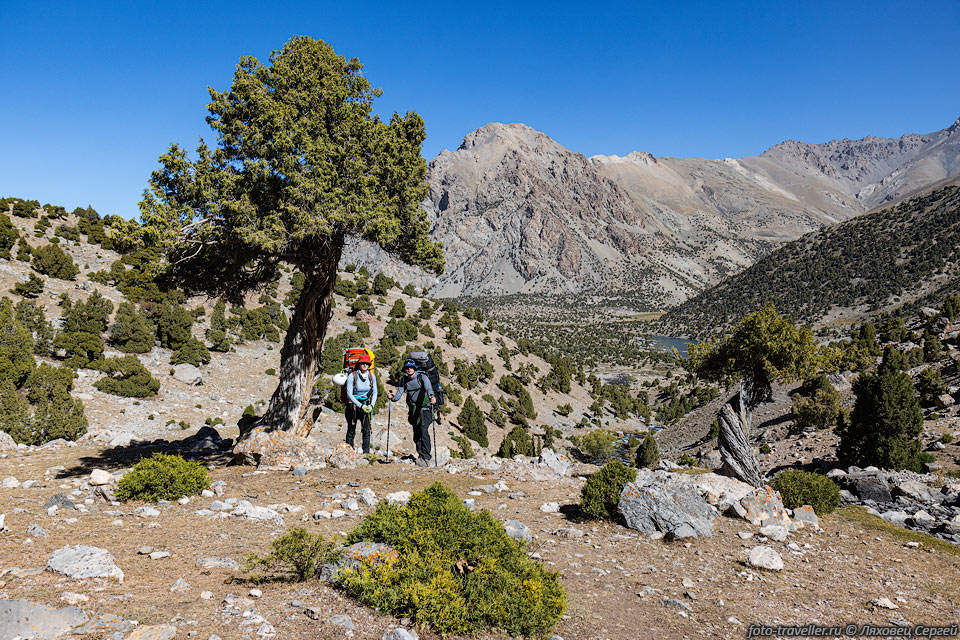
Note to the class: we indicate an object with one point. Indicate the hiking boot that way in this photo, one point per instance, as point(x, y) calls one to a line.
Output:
point(422, 462)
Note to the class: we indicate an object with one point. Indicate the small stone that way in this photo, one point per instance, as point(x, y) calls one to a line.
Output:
point(10, 483)
point(774, 532)
point(148, 512)
point(183, 500)
point(402, 634)
point(157, 555)
point(74, 599)
point(688, 583)
point(83, 561)
point(255, 593)
point(206, 595)
point(313, 613)
point(568, 532)
point(180, 585)
point(28, 483)
point(322, 515)
point(206, 493)
point(550, 507)
point(744, 535)
point(517, 530)
point(470, 503)
point(144, 550)
point(398, 497)
point(765, 558)
point(342, 621)
point(350, 504)
point(883, 603)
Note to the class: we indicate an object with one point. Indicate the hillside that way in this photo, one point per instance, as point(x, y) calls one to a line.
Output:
point(520, 214)
point(874, 263)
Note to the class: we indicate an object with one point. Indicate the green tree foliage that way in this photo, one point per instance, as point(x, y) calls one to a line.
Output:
point(50, 260)
point(15, 418)
point(892, 330)
point(763, 348)
point(16, 347)
point(818, 406)
point(930, 385)
point(217, 333)
point(127, 377)
point(382, 284)
point(885, 424)
point(601, 493)
point(68, 232)
point(174, 325)
point(131, 331)
point(472, 422)
point(191, 352)
point(31, 288)
point(298, 554)
point(56, 413)
point(89, 316)
point(162, 477)
point(33, 319)
point(399, 310)
point(932, 347)
point(598, 445)
point(26, 208)
point(457, 572)
point(799, 488)
point(425, 311)
point(648, 453)
point(296, 289)
point(78, 348)
point(8, 235)
point(518, 441)
point(302, 163)
point(409, 289)
point(951, 308)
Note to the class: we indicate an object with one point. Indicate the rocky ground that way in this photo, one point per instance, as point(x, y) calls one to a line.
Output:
point(181, 575)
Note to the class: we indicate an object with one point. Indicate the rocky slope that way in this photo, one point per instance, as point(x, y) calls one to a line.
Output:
point(519, 213)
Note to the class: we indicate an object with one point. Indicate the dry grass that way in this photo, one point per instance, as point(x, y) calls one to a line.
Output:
point(871, 522)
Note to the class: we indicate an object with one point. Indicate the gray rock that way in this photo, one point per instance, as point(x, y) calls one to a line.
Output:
point(342, 621)
point(765, 558)
point(104, 622)
point(358, 554)
point(10, 483)
point(148, 512)
point(368, 497)
point(917, 491)
point(180, 585)
point(807, 516)
point(556, 462)
point(666, 502)
point(83, 561)
point(30, 621)
point(868, 486)
point(398, 497)
point(517, 530)
point(898, 518)
point(36, 531)
point(206, 440)
point(187, 374)
point(154, 632)
point(59, 500)
point(550, 507)
point(774, 532)
point(246, 510)
point(399, 634)
point(7, 443)
point(568, 532)
point(218, 563)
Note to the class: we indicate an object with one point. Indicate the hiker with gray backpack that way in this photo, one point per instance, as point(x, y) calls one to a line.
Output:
point(423, 396)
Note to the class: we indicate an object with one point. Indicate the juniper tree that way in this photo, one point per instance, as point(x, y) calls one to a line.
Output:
point(301, 164)
point(763, 348)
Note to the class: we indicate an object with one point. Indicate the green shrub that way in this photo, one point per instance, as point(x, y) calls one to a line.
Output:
point(191, 352)
point(163, 477)
point(565, 409)
point(598, 445)
point(399, 310)
point(687, 460)
point(8, 235)
point(818, 407)
point(131, 331)
point(648, 453)
point(32, 288)
point(89, 316)
point(765, 448)
point(472, 422)
point(930, 385)
point(518, 441)
point(458, 572)
point(16, 347)
point(298, 555)
point(50, 260)
point(173, 325)
point(127, 377)
point(946, 438)
point(798, 488)
point(466, 449)
point(78, 348)
point(601, 493)
point(33, 319)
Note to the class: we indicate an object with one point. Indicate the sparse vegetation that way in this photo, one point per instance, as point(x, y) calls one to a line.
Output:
point(601, 494)
point(163, 477)
point(799, 488)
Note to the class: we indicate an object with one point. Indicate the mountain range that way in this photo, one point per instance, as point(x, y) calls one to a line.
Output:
point(519, 213)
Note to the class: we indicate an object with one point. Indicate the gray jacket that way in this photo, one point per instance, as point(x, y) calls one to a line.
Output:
point(412, 386)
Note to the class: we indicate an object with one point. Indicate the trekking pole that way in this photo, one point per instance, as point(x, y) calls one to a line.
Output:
point(436, 461)
point(388, 430)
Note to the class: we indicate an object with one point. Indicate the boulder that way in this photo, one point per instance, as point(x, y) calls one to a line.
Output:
point(867, 485)
point(100, 477)
point(7, 442)
point(206, 440)
point(83, 561)
point(943, 401)
point(721, 491)
point(31, 621)
point(557, 462)
point(807, 516)
point(248, 511)
point(187, 374)
point(274, 449)
point(345, 457)
point(775, 532)
point(917, 491)
point(154, 632)
point(668, 503)
point(762, 506)
point(398, 497)
point(710, 459)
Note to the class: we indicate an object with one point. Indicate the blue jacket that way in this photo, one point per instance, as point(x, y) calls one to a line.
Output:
point(366, 388)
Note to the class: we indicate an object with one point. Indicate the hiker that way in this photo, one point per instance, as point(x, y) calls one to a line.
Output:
point(361, 398)
point(420, 398)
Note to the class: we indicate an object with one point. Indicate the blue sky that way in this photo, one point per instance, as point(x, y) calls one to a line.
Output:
point(92, 93)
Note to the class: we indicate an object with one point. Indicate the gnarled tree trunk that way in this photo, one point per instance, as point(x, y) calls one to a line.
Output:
point(736, 454)
point(300, 356)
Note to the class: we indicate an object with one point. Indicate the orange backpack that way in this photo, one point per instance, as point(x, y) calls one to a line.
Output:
point(350, 359)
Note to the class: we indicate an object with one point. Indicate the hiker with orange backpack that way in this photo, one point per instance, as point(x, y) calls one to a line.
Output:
point(361, 392)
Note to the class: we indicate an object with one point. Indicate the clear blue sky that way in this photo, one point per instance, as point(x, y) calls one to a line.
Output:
point(93, 92)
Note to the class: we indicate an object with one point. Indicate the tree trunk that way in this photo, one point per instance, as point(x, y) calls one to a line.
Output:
point(300, 356)
point(736, 454)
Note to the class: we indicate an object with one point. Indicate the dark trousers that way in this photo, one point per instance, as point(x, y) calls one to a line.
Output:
point(355, 414)
point(420, 419)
